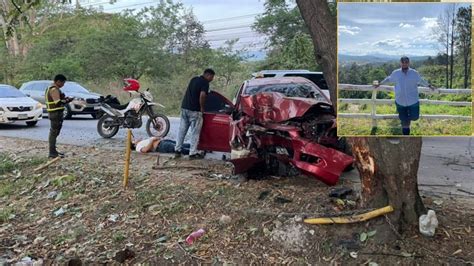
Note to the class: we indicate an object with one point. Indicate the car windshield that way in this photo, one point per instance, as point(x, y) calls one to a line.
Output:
point(288, 89)
point(73, 87)
point(10, 92)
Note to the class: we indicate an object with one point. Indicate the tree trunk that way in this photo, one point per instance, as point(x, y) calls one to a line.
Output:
point(453, 24)
point(388, 170)
point(322, 27)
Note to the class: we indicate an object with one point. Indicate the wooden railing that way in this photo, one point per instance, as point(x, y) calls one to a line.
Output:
point(373, 102)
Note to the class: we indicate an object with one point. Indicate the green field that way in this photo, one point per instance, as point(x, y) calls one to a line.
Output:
point(438, 127)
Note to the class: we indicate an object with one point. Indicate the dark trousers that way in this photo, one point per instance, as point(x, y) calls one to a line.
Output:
point(167, 146)
point(56, 118)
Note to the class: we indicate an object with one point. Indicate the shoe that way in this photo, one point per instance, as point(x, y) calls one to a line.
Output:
point(177, 154)
point(196, 156)
point(57, 154)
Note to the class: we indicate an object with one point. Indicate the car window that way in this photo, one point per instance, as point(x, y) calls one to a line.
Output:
point(304, 90)
point(317, 79)
point(39, 86)
point(10, 92)
point(73, 87)
point(214, 103)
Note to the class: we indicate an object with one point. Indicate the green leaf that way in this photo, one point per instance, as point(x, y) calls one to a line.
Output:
point(371, 233)
point(363, 237)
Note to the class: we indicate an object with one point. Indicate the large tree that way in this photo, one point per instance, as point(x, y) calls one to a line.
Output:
point(388, 166)
point(322, 28)
point(464, 28)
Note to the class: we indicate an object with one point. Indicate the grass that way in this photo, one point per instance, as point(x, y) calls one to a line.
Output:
point(432, 127)
point(5, 214)
point(422, 127)
point(6, 164)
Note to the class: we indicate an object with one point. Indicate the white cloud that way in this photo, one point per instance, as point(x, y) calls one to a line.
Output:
point(406, 25)
point(348, 29)
point(391, 44)
point(429, 23)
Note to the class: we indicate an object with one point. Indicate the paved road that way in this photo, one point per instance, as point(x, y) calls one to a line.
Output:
point(446, 162)
point(81, 131)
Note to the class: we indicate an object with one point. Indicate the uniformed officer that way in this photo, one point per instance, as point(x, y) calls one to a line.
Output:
point(55, 102)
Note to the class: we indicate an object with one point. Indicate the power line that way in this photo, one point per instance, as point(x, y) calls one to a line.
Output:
point(230, 18)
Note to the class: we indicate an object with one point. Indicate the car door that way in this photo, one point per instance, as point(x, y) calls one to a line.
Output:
point(215, 133)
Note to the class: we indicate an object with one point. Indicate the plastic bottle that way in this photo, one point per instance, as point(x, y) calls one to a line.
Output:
point(194, 236)
point(428, 223)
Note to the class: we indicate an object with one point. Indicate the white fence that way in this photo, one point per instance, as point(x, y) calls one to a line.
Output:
point(374, 101)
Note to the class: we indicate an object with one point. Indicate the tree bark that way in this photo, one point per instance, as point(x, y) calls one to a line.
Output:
point(453, 28)
point(388, 170)
point(322, 28)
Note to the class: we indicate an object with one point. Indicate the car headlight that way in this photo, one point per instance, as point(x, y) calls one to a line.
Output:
point(38, 106)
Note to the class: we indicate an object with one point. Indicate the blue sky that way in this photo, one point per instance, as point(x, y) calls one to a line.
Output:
point(216, 16)
point(392, 29)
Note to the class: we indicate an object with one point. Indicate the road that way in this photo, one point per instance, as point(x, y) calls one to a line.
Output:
point(446, 162)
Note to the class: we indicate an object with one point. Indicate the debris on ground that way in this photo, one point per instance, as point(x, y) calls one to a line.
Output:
point(97, 221)
point(340, 193)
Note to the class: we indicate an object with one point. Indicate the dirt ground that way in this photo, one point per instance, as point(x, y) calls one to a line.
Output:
point(76, 211)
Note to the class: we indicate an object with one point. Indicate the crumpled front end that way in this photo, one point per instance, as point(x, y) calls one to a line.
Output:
point(304, 140)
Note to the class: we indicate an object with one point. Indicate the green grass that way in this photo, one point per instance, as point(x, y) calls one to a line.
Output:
point(424, 109)
point(425, 127)
point(6, 164)
point(422, 127)
point(5, 214)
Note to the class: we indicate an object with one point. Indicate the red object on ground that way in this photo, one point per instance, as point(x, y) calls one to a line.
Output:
point(194, 236)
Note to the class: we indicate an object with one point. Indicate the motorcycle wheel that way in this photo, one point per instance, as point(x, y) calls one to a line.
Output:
point(162, 126)
point(106, 132)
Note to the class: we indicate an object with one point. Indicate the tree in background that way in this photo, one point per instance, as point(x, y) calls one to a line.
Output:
point(463, 42)
point(445, 32)
point(289, 43)
point(388, 166)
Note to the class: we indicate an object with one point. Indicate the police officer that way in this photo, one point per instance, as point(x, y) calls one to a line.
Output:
point(55, 102)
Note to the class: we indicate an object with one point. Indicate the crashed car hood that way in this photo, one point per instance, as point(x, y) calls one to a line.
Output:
point(276, 107)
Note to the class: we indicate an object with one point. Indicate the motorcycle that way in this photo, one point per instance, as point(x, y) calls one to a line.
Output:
point(129, 115)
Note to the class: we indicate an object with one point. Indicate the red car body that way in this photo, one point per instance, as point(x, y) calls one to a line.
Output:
point(268, 123)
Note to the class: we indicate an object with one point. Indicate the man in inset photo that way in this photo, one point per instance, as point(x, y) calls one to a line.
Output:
point(406, 81)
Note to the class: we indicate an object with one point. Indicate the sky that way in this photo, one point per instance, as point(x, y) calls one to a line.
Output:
point(217, 17)
point(390, 29)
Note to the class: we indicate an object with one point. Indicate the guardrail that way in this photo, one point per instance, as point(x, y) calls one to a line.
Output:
point(374, 101)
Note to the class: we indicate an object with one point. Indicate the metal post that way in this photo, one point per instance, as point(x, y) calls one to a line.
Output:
point(373, 111)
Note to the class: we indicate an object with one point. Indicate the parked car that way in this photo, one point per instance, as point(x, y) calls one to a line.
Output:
point(17, 107)
point(316, 77)
point(276, 122)
point(85, 102)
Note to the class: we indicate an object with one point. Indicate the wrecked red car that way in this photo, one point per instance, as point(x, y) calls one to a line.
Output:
point(275, 123)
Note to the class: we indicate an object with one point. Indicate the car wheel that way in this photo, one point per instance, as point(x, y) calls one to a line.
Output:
point(67, 112)
point(31, 123)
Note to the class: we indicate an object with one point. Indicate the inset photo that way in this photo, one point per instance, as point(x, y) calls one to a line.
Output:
point(404, 69)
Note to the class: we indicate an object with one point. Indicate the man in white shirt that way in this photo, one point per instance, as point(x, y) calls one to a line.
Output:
point(407, 100)
point(155, 144)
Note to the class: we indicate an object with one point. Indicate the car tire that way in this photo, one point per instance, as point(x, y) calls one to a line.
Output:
point(31, 123)
point(67, 112)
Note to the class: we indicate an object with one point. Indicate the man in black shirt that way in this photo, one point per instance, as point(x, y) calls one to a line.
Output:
point(192, 108)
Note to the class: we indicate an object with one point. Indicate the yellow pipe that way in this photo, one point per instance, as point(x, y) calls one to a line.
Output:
point(127, 158)
point(350, 219)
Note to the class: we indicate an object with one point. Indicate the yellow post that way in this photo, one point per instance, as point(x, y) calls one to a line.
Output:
point(350, 219)
point(127, 158)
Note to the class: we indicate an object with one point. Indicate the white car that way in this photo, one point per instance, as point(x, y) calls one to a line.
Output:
point(17, 107)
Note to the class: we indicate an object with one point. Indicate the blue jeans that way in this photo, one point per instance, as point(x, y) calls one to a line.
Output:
point(191, 119)
point(167, 146)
